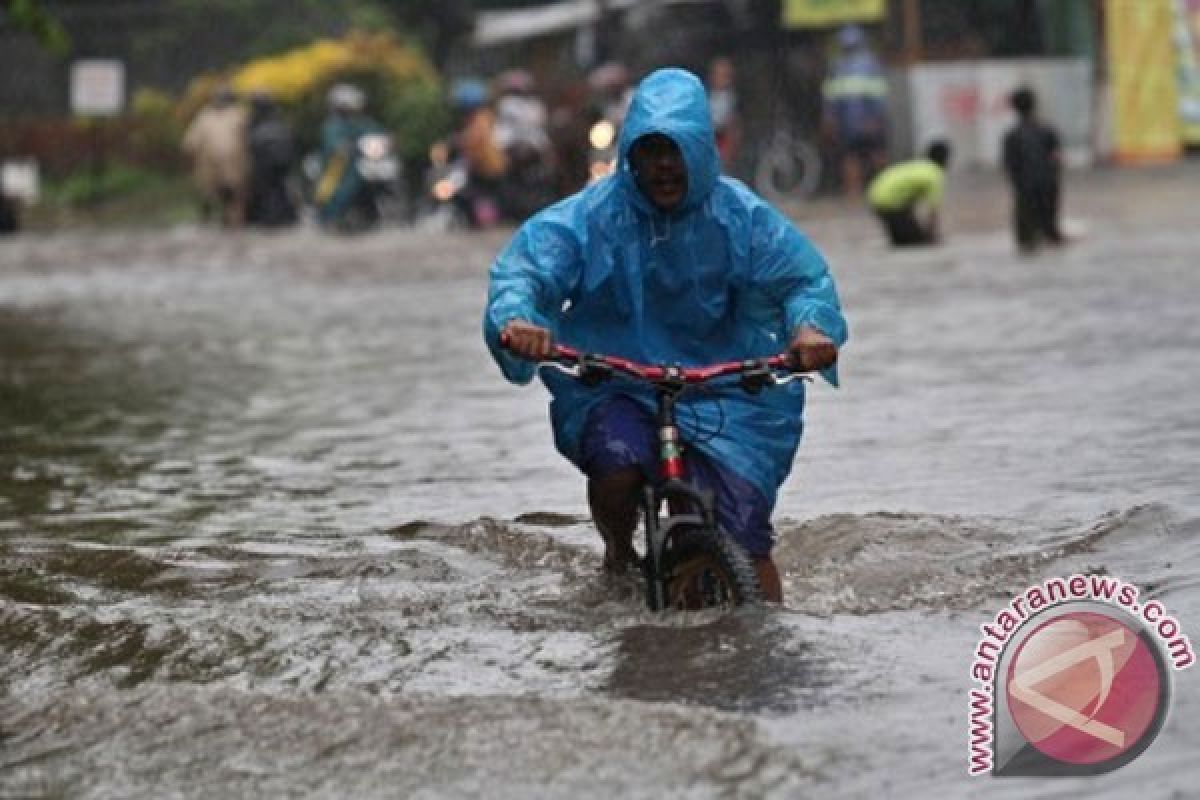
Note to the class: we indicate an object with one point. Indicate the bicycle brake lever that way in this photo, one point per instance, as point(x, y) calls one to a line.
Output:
point(568, 369)
point(587, 371)
point(756, 378)
point(592, 371)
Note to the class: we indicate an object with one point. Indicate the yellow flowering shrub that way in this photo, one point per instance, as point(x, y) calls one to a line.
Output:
point(292, 75)
point(403, 88)
point(154, 129)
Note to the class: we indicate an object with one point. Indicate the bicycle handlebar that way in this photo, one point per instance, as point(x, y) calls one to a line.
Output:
point(666, 374)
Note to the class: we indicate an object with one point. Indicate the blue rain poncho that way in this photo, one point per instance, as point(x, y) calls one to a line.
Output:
point(722, 277)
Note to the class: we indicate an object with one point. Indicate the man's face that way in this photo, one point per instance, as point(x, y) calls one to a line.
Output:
point(660, 171)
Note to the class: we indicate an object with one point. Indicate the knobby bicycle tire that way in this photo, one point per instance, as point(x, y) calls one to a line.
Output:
point(695, 551)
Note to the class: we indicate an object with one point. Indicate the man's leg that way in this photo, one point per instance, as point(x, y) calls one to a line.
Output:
point(1025, 220)
point(852, 175)
point(768, 579)
point(618, 451)
point(743, 513)
point(885, 219)
point(614, 502)
point(1047, 213)
point(903, 228)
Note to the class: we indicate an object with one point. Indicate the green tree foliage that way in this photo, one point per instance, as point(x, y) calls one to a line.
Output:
point(196, 36)
point(29, 15)
point(436, 23)
point(265, 27)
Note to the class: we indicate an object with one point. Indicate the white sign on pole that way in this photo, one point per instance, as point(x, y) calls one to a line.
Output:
point(19, 178)
point(97, 87)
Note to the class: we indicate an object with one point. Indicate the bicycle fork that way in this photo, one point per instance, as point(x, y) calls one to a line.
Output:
point(686, 505)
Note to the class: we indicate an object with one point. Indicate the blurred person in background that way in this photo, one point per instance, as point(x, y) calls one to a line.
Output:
point(520, 115)
point(475, 141)
point(475, 130)
point(521, 119)
point(723, 105)
point(272, 153)
point(855, 110)
point(1032, 158)
point(339, 182)
point(609, 86)
point(907, 197)
point(569, 125)
point(216, 142)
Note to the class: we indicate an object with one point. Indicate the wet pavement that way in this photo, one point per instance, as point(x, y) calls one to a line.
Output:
point(271, 524)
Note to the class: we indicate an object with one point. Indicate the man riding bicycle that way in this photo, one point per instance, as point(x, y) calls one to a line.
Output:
point(667, 261)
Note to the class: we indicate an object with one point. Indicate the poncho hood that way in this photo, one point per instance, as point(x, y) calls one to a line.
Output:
point(672, 102)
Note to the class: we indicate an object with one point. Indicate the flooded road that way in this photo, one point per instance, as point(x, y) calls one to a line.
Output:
point(271, 523)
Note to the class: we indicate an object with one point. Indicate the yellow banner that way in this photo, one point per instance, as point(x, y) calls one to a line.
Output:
point(826, 13)
point(1141, 58)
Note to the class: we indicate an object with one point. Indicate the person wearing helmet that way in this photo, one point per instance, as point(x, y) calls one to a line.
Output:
point(474, 143)
point(520, 114)
point(521, 119)
point(468, 94)
point(346, 99)
point(339, 184)
point(668, 261)
point(476, 137)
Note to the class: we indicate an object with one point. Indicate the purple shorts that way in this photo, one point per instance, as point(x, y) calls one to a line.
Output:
point(620, 434)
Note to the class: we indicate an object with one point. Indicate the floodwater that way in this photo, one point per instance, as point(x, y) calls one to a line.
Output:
point(272, 525)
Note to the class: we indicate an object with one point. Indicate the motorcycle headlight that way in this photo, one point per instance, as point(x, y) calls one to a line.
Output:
point(444, 190)
point(602, 134)
point(375, 145)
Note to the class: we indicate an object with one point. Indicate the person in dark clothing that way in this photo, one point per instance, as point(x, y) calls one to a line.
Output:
point(271, 150)
point(9, 221)
point(1032, 160)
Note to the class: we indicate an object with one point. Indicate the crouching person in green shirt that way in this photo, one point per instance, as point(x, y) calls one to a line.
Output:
point(907, 196)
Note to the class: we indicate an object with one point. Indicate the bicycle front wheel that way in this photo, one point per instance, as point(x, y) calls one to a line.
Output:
point(788, 170)
point(705, 568)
